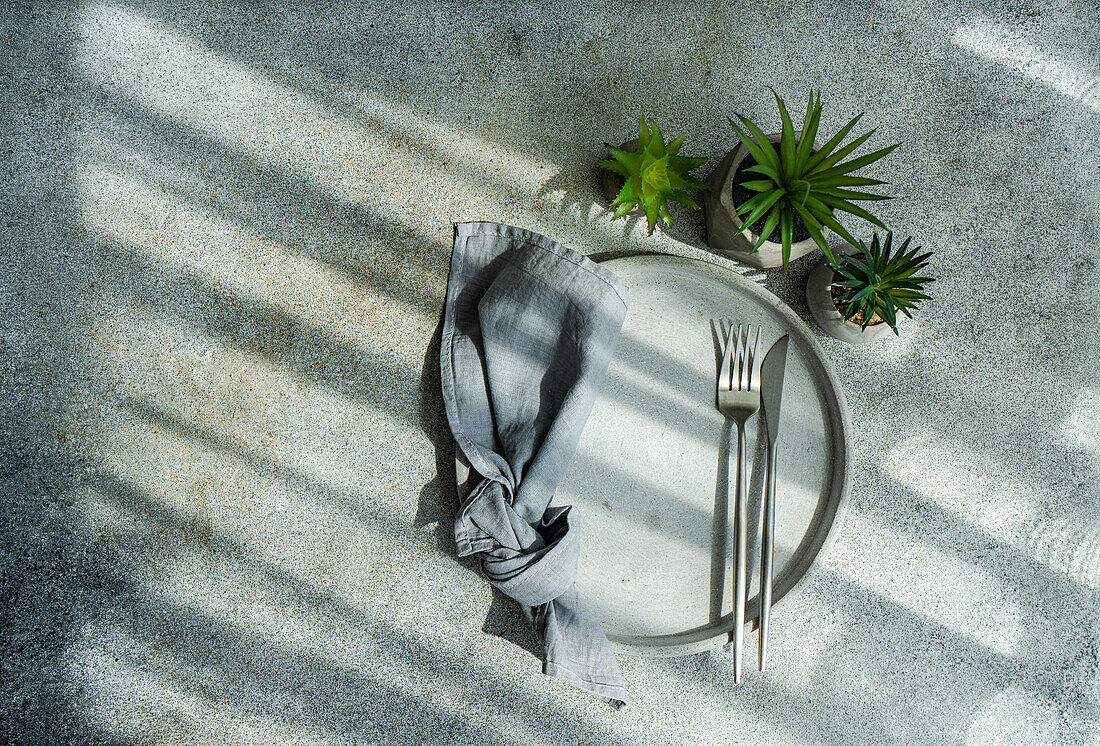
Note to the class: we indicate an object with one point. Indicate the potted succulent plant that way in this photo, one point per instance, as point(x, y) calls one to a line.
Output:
point(858, 298)
point(773, 197)
point(649, 176)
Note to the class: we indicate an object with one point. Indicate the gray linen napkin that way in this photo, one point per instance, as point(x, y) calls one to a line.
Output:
point(529, 328)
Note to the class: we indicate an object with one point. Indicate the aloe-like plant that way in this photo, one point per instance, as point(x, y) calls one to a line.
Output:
point(876, 281)
point(654, 174)
point(799, 181)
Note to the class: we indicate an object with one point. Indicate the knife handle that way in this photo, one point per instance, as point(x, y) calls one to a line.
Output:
point(767, 546)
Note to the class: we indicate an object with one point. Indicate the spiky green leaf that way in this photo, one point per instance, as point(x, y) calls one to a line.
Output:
point(809, 129)
point(825, 216)
point(760, 185)
point(664, 213)
point(813, 225)
point(650, 204)
point(786, 140)
point(851, 194)
point(767, 154)
point(656, 141)
point(757, 150)
point(643, 134)
point(753, 202)
point(679, 195)
point(786, 229)
point(843, 181)
point(769, 227)
point(632, 162)
point(849, 166)
point(770, 198)
point(835, 157)
point(831, 144)
point(842, 204)
point(612, 165)
point(682, 164)
point(764, 170)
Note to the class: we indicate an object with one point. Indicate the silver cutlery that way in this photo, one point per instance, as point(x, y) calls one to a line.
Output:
point(775, 363)
point(738, 400)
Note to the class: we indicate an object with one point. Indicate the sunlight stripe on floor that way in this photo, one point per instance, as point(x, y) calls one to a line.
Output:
point(946, 590)
point(179, 77)
point(174, 233)
point(974, 487)
point(1004, 46)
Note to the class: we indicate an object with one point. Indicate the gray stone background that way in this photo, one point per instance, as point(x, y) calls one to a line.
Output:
point(226, 497)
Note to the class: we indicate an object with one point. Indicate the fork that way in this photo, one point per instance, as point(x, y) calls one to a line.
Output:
point(738, 400)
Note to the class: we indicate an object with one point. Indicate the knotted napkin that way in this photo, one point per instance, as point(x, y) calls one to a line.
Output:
point(529, 328)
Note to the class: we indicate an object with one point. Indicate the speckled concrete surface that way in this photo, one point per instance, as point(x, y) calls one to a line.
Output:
point(227, 235)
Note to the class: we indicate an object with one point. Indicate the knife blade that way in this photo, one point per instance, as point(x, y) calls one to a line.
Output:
point(771, 397)
point(771, 385)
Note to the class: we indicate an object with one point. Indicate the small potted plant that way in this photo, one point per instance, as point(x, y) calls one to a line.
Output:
point(857, 299)
point(649, 176)
point(773, 197)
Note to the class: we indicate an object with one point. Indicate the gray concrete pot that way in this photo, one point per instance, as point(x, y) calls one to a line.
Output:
point(611, 183)
point(822, 308)
point(725, 231)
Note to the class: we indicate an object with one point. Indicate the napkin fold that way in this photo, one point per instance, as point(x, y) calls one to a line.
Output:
point(529, 328)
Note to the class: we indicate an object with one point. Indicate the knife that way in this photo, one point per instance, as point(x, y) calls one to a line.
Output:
point(771, 396)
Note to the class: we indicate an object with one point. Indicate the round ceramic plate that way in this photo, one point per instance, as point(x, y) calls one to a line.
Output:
point(651, 476)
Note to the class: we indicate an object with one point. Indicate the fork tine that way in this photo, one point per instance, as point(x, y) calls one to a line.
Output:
point(743, 382)
point(757, 361)
point(724, 376)
point(738, 360)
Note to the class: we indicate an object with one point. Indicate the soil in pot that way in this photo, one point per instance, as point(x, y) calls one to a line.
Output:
point(842, 306)
point(741, 195)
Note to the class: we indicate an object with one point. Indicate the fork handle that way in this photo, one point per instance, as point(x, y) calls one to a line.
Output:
point(740, 527)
